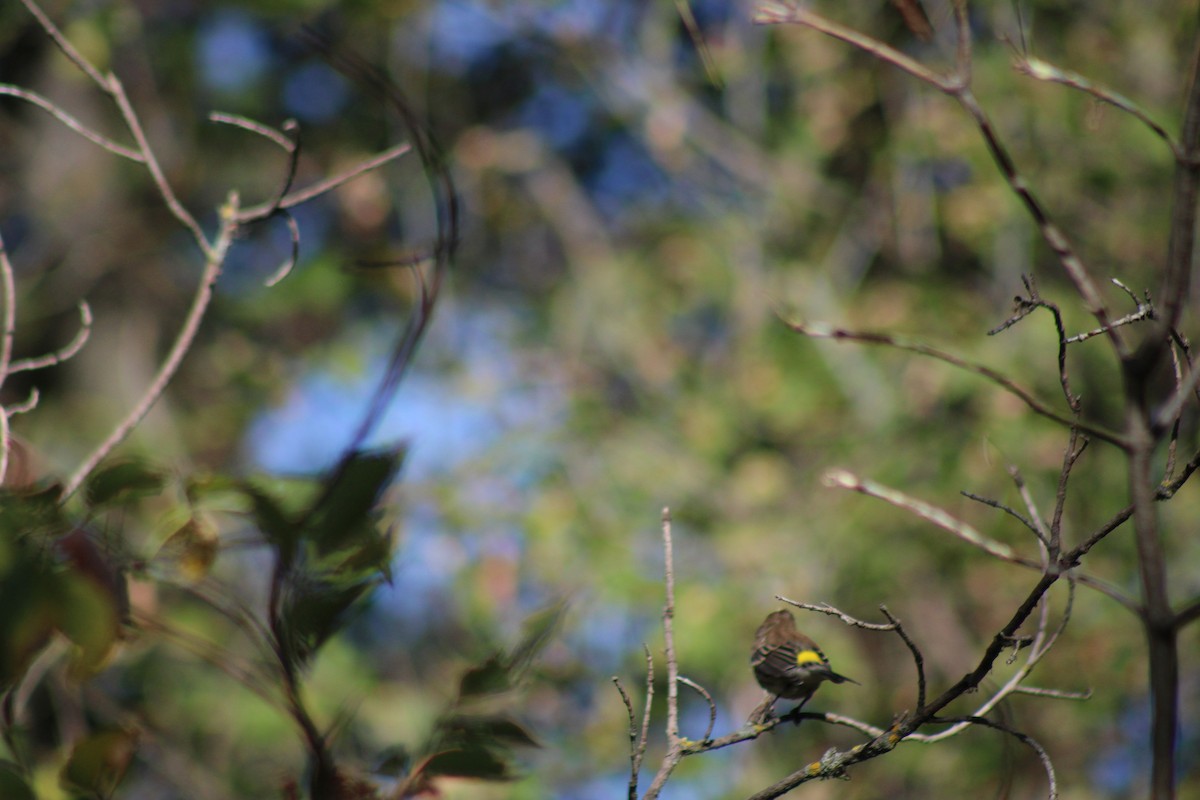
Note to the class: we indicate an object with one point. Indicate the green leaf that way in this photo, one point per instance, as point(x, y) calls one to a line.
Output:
point(314, 609)
point(485, 730)
point(189, 552)
point(122, 482)
point(25, 514)
point(540, 627)
point(98, 762)
point(280, 530)
point(27, 607)
point(89, 615)
point(471, 762)
point(490, 677)
point(343, 515)
point(12, 783)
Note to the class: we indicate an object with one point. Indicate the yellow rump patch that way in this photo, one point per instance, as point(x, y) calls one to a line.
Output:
point(809, 657)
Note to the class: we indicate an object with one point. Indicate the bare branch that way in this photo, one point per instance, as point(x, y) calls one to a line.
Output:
point(843, 479)
point(669, 629)
point(1041, 70)
point(644, 738)
point(65, 46)
point(1185, 195)
point(1188, 614)
point(825, 608)
point(823, 331)
point(773, 12)
point(674, 749)
point(1143, 312)
point(1071, 558)
point(1074, 450)
point(957, 86)
point(183, 341)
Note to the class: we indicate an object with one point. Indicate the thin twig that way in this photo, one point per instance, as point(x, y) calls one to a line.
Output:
point(245, 123)
point(286, 267)
point(825, 608)
point(669, 629)
point(1030, 505)
point(957, 87)
point(632, 738)
point(996, 504)
point(1074, 450)
point(712, 707)
point(844, 479)
point(823, 331)
point(1024, 738)
point(5, 435)
point(26, 405)
point(1041, 70)
point(1058, 694)
point(64, 45)
point(918, 658)
point(63, 353)
point(9, 310)
point(69, 121)
point(1071, 558)
point(644, 738)
point(183, 341)
point(1145, 312)
point(674, 749)
point(295, 198)
point(117, 89)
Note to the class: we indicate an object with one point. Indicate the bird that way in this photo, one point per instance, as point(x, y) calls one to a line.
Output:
point(788, 664)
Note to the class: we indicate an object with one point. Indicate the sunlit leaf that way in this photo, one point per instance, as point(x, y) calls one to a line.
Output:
point(189, 552)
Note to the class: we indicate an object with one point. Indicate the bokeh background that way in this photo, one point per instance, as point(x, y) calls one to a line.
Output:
point(636, 219)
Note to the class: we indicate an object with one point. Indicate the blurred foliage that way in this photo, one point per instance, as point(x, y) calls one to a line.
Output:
point(610, 344)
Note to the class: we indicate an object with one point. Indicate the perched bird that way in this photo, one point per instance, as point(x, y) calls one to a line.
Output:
point(787, 663)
